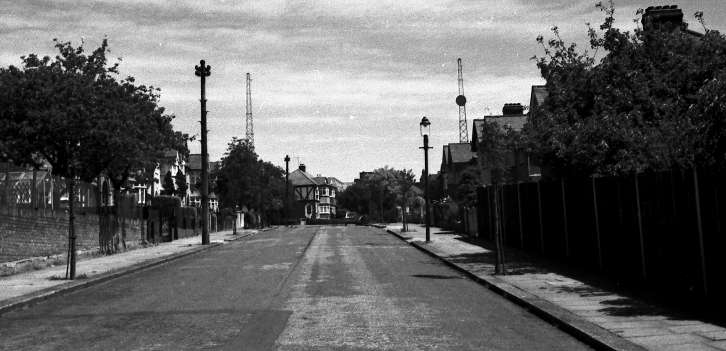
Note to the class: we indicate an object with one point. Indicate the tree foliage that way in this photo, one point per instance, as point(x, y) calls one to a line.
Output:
point(243, 180)
point(378, 195)
point(653, 101)
point(181, 184)
point(168, 184)
point(73, 113)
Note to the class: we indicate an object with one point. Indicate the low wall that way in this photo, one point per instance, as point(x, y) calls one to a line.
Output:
point(31, 234)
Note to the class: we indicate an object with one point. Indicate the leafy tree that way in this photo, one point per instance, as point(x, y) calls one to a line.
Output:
point(71, 112)
point(168, 184)
point(652, 102)
point(402, 186)
point(378, 195)
point(465, 192)
point(244, 180)
point(181, 184)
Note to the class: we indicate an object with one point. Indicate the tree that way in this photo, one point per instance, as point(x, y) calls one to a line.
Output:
point(168, 184)
point(651, 103)
point(245, 181)
point(402, 187)
point(497, 145)
point(72, 113)
point(181, 184)
point(379, 194)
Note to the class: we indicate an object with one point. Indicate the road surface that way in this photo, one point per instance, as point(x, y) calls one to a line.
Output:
point(300, 288)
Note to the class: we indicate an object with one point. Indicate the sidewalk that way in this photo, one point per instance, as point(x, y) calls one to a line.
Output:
point(24, 288)
point(606, 319)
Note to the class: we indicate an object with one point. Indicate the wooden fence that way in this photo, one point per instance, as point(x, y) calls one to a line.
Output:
point(664, 230)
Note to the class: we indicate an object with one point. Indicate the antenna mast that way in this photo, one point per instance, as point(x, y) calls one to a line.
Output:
point(250, 131)
point(461, 101)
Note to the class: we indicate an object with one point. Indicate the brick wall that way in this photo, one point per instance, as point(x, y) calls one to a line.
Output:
point(31, 234)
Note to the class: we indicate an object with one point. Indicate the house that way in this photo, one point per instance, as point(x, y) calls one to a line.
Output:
point(363, 176)
point(314, 197)
point(516, 162)
point(172, 161)
point(667, 18)
point(305, 194)
point(194, 179)
point(456, 158)
point(327, 190)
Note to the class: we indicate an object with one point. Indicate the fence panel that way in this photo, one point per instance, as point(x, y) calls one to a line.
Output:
point(510, 215)
point(581, 221)
point(713, 194)
point(552, 219)
point(530, 216)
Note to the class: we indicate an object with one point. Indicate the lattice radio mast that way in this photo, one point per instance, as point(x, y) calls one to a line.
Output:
point(250, 131)
point(461, 101)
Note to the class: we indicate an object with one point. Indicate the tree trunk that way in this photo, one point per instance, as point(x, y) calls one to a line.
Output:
point(116, 236)
point(71, 262)
point(499, 265)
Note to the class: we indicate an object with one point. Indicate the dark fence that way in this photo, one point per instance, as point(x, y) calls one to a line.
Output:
point(662, 230)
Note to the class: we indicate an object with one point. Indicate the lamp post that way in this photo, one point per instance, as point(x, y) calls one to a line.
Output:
point(287, 187)
point(202, 71)
point(424, 128)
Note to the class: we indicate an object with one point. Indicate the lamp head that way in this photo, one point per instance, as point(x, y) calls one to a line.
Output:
point(424, 126)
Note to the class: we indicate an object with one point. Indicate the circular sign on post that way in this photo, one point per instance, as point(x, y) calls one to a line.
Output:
point(461, 100)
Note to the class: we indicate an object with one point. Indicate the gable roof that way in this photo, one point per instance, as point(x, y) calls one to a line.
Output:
point(324, 181)
point(460, 153)
point(299, 177)
point(515, 122)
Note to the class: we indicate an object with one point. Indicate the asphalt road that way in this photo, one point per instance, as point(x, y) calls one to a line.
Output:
point(302, 288)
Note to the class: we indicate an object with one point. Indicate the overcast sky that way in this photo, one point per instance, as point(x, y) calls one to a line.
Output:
point(339, 85)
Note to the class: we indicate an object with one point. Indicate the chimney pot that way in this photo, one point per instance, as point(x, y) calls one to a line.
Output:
point(302, 167)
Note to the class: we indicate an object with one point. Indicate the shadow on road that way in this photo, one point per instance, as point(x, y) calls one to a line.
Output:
point(436, 276)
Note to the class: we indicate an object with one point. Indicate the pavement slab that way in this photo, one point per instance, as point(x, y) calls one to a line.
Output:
point(609, 314)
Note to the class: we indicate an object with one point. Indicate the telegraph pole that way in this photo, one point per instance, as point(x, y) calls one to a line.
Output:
point(287, 187)
point(202, 71)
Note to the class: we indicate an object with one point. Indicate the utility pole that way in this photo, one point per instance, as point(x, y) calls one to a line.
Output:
point(202, 71)
point(287, 187)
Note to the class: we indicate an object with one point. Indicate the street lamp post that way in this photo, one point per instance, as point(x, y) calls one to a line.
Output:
point(287, 187)
point(424, 128)
point(202, 71)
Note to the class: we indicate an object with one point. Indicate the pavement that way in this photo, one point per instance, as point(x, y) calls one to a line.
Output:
point(22, 289)
point(593, 312)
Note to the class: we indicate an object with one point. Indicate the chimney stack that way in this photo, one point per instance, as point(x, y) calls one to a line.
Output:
point(302, 167)
point(668, 17)
point(513, 109)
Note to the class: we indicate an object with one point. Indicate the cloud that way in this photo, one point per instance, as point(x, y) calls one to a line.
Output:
point(316, 63)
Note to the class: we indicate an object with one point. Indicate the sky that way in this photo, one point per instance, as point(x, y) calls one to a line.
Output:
point(340, 86)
